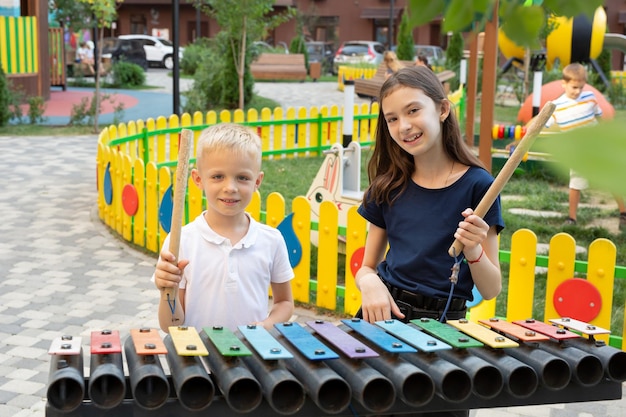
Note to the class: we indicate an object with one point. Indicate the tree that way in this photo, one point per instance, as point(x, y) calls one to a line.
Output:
point(454, 55)
point(104, 13)
point(243, 21)
point(598, 153)
point(405, 44)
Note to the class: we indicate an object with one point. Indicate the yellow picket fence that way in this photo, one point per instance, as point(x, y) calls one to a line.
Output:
point(134, 166)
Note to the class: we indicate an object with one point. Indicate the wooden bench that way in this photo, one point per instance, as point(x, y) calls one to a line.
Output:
point(279, 67)
point(370, 87)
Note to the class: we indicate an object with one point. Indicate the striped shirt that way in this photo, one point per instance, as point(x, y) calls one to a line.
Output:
point(570, 114)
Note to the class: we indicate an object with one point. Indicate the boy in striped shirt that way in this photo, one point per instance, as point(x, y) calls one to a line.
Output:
point(577, 108)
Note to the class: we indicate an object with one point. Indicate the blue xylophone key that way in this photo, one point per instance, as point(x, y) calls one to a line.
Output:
point(413, 336)
point(350, 346)
point(264, 343)
point(378, 336)
point(305, 342)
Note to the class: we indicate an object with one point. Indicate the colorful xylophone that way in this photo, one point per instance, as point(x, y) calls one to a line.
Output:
point(508, 132)
point(354, 368)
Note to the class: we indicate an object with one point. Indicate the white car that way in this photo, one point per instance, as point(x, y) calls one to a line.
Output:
point(159, 51)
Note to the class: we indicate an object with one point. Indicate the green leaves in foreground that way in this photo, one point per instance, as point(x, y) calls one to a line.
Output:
point(598, 153)
point(521, 20)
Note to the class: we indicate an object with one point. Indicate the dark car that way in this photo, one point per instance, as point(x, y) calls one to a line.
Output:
point(322, 52)
point(128, 50)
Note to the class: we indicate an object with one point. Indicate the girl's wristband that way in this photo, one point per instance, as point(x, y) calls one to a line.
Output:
point(477, 259)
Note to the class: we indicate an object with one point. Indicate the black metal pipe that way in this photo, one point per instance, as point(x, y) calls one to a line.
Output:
point(587, 369)
point(148, 383)
point(66, 382)
point(107, 384)
point(553, 372)
point(330, 392)
point(413, 386)
point(451, 382)
point(193, 385)
point(282, 391)
point(520, 380)
point(240, 389)
point(613, 359)
point(487, 380)
point(374, 391)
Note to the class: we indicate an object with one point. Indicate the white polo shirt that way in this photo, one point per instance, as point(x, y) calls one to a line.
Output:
point(228, 285)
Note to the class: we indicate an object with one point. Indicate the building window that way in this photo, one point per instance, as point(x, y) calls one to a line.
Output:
point(138, 24)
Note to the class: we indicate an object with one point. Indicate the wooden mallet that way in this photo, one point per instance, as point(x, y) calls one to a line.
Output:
point(182, 175)
point(536, 125)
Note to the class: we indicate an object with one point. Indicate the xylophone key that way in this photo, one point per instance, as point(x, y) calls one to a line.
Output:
point(148, 383)
point(241, 390)
point(66, 383)
point(305, 342)
point(487, 380)
point(107, 384)
point(283, 392)
point(452, 383)
point(553, 372)
point(192, 383)
point(324, 386)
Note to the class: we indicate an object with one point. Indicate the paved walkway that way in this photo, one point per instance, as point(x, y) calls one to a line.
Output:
point(64, 273)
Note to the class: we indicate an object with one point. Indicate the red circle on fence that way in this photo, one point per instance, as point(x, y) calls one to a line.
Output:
point(130, 201)
point(577, 298)
point(357, 260)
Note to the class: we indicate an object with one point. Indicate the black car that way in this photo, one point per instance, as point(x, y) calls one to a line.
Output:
point(129, 50)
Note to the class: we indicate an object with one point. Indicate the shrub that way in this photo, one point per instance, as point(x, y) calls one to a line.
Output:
point(127, 74)
point(298, 46)
point(194, 54)
point(5, 99)
point(454, 54)
point(405, 51)
point(36, 109)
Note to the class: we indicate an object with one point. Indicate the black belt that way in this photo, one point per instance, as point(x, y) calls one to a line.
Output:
point(423, 302)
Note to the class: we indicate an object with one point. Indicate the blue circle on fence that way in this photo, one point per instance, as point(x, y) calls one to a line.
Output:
point(294, 248)
point(165, 210)
point(107, 186)
point(477, 298)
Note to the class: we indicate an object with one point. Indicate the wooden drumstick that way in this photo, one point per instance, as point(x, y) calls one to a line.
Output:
point(182, 175)
point(507, 170)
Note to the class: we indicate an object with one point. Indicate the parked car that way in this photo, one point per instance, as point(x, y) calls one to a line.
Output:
point(355, 52)
point(321, 52)
point(434, 54)
point(129, 50)
point(159, 51)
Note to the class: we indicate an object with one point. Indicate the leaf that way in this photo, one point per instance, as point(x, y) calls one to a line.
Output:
point(571, 8)
point(459, 15)
point(424, 11)
point(523, 25)
point(598, 153)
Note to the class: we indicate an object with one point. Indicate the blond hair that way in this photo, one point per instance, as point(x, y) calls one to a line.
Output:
point(391, 60)
point(574, 71)
point(231, 137)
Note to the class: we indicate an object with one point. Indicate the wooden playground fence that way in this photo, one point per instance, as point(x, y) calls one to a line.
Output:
point(19, 42)
point(134, 175)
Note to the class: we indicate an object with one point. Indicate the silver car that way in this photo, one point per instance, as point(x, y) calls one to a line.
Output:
point(358, 52)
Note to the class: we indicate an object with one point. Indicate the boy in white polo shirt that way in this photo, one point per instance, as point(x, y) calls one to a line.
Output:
point(227, 261)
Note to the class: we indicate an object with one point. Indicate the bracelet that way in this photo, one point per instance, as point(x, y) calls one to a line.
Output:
point(477, 259)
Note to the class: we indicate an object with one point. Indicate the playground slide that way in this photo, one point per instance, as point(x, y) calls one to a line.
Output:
point(615, 41)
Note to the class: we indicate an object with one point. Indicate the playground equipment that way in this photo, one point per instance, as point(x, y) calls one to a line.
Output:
point(575, 39)
point(338, 180)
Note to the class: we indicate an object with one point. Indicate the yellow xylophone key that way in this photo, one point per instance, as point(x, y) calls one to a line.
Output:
point(187, 341)
point(485, 335)
point(579, 326)
point(147, 342)
point(514, 330)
